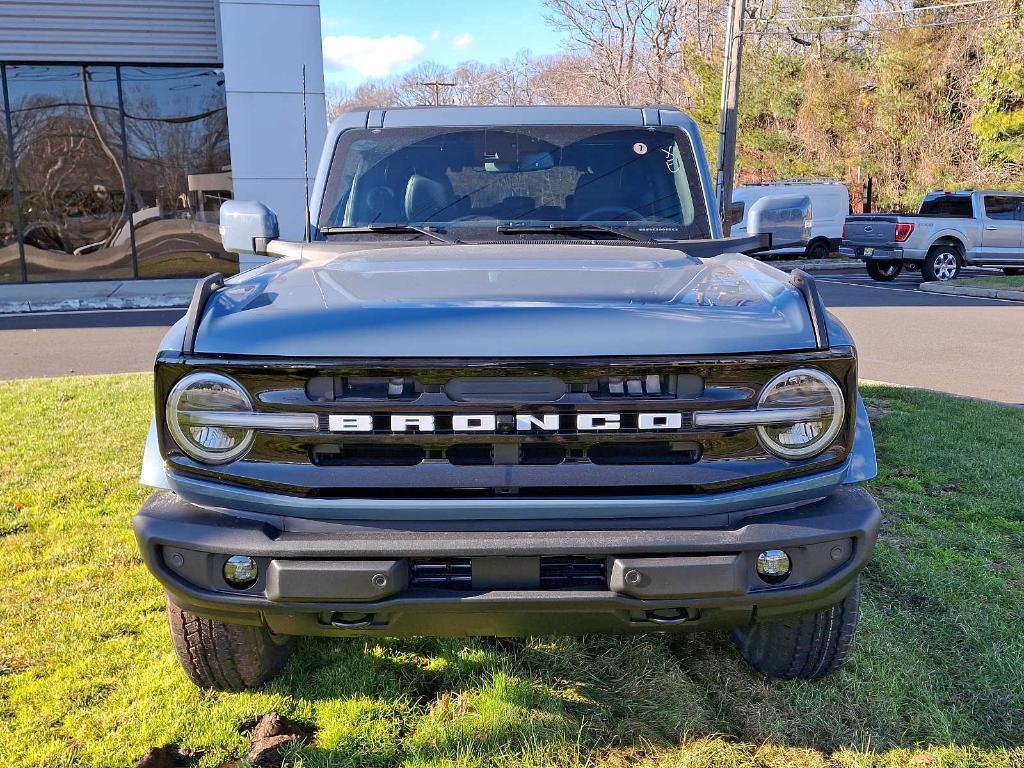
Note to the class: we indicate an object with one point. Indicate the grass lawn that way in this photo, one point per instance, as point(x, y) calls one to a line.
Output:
point(1007, 282)
point(88, 677)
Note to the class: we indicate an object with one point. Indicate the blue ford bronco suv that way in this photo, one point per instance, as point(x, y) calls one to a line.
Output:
point(515, 382)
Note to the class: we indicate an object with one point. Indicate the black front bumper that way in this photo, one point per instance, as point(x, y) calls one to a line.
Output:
point(341, 579)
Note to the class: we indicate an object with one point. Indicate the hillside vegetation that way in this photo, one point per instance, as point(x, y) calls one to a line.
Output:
point(919, 96)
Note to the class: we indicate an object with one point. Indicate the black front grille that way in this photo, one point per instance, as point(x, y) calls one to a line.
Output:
point(453, 573)
point(522, 428)
point(573, 573)
point(562, 572)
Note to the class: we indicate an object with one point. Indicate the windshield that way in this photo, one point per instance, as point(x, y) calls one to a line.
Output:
point(465, 178)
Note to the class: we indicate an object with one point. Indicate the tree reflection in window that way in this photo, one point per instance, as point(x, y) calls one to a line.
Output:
point(71, 172)
point(121, 171)
point(176, 122)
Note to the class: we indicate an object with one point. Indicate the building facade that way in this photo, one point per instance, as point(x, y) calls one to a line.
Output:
point(125, 125)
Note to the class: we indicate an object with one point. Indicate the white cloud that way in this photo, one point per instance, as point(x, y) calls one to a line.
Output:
point(463, 41)
point(435, 35)
point(370, 56)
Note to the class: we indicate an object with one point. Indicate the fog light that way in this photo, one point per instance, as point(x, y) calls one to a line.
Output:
point(240, 571)
point(773, 565)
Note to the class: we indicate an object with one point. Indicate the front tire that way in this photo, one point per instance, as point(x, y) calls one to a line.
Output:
point(884, 270)
point(226, 657)
point(807, 646)
point(941, 264)
point(1013, 271)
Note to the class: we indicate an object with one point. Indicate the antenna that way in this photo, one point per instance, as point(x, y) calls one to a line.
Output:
point(305, 158)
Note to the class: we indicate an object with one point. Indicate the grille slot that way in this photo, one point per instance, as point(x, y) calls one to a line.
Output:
point(660, 452)
point(392, 388)
point(488, 454)
point(562, 572)
point(650, 386)
point(573, 573)
point(453, 573)
point(368, 455)
point(518, 389)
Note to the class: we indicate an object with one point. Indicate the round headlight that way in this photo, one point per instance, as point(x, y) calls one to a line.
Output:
point(804, 388)
point(199, 411)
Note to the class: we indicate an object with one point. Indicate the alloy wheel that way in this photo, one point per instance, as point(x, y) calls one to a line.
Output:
point(945, 266)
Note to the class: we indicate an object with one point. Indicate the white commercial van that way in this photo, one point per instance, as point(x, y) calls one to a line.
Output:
point(830, 205)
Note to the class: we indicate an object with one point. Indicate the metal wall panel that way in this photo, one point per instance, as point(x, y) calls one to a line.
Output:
point(137, 31)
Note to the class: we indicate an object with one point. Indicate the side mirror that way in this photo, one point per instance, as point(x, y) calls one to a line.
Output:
point(786, 217)
point(247, 226)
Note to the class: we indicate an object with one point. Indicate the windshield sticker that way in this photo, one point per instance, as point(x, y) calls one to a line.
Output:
point(671, 160)
point(640, 148)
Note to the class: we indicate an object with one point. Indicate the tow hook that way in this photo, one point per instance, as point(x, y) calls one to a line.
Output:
point(351, 620)
point(667, 616)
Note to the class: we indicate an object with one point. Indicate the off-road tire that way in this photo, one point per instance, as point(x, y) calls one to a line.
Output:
point(818, 249)
point(884, 270)
point(226, 657)
point(806, 646)
point(936, 265)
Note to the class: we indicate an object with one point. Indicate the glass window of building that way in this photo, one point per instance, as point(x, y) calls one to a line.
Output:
point(179, 165)
point(10, 253)
point(71, 172)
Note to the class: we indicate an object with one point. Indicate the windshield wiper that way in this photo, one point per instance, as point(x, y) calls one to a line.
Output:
point(569, 228)
point(389, 229)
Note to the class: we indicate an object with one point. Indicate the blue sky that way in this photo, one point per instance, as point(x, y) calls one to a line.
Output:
point(367, 40)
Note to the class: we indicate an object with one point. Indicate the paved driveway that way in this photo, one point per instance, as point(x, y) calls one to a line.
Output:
point(954, 344)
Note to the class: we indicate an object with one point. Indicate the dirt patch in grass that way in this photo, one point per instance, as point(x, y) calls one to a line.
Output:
point(88, 677)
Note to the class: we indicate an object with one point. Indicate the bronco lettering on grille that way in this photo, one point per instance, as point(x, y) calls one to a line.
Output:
point(489, 422)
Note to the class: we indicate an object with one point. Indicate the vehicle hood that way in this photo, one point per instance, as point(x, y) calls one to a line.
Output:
point(504, 300)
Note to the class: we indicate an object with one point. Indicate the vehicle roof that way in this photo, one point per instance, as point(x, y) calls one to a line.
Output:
point(831, 183)
point(942, 192)
point(452, 116)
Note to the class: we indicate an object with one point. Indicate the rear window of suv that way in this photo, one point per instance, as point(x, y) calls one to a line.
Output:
point(948, 205)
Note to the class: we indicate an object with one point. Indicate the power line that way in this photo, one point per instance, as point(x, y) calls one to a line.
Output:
point(811, 32)
point(899, 11)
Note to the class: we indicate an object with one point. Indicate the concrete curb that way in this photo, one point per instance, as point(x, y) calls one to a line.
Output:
point(977, 293)
point(19, 298)
point(110, 302)
point(816, 265)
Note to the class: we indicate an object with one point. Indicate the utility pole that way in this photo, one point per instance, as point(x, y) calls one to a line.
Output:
point(436, 88)
point(729, 109)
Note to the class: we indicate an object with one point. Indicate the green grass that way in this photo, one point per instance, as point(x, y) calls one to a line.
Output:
point(88, 678)
point(1007, 282)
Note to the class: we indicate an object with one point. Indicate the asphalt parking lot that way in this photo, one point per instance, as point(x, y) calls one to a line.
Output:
point(905, 336)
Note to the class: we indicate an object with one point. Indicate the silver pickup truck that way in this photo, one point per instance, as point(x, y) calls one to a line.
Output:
point(951, 229)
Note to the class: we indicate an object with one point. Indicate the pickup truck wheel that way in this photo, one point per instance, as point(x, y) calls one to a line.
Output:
point(884, 269)
point(942, 263)
point(806, 646)
point(226, 657)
